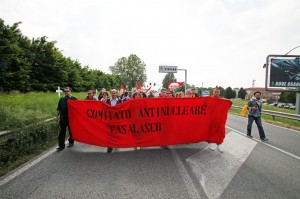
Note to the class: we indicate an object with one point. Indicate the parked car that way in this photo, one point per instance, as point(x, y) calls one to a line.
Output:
point(292, 107)
point(272, 104)
point(280, 105)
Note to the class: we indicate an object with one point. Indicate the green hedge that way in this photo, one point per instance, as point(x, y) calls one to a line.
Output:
point(27, 142)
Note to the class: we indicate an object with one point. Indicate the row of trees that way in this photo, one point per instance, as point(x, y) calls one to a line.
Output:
point(37, 65)
point(228, 93)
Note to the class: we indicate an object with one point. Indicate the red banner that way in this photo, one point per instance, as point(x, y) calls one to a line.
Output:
point(149, 121)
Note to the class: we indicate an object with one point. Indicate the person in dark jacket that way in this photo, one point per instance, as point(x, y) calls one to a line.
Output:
point(62, 118)
point(113, 101)
point(254, 107)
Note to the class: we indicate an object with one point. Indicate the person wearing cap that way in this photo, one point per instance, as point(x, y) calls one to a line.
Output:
point(254, 107)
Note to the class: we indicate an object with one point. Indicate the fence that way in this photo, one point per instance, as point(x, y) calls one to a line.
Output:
point(275, 113)
point(272, 113)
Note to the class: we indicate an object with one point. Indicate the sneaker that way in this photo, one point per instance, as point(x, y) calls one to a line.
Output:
point(249, 136)
point(211, 146)
point(220, 148)
point(264, 139)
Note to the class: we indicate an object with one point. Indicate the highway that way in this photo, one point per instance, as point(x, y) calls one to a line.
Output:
point(248, 168)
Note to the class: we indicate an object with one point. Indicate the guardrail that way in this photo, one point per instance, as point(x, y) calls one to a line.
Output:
point(272, 113)
point(275, 113)
point(2, 133)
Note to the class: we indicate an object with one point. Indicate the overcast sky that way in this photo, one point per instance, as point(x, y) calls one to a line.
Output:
point(219, 42)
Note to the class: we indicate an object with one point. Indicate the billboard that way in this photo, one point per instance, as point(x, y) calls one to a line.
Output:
point(285, 73)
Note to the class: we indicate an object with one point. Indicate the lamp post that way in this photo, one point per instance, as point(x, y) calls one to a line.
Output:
point(185, 81)
point(298, 91)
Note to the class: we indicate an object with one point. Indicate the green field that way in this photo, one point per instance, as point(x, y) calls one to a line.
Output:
point(18, 109)
point(288, 123)
point(24, 116)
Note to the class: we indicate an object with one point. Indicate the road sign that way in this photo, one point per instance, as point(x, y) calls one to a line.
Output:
point(168, 69)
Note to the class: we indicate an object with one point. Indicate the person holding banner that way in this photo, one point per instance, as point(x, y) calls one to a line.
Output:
point(62, 118)
point(101, 94)
point(254, 107)
point(189, 93)
point(113, 101)
point(163, 92)
point(194, 94)
point(91, 95)
point(104, 96)
point(216, 94)
point(136, 94)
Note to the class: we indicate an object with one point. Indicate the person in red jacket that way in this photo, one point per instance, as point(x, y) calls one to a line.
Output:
point(211, 146)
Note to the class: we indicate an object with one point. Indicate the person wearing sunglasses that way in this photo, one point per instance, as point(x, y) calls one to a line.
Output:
point(62, 119)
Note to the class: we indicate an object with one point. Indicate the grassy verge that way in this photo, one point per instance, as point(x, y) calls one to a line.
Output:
point(19, 109)
point(19, 147)
point(288, 123)
point(23, 115)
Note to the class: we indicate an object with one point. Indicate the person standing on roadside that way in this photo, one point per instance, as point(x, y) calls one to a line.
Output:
point(254, 107)
point(216, 94)
point(62, 118)
point(113, 101)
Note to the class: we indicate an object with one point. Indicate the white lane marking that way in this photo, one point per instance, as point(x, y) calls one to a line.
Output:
point(271, 124)
point(194, 194)
point(215, 170)
point(265, 143)
point(26, 167)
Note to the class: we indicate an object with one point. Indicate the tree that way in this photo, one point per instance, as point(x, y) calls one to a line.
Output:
point(130, 70)
point(169, 77)
point(229, 93)
point(15, 76)
point(242, 93)
point(288, 97)
point(181, 88)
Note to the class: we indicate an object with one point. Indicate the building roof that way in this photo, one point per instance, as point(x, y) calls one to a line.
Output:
point(263, 89)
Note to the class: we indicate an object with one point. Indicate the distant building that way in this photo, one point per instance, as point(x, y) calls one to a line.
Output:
point(265, 95)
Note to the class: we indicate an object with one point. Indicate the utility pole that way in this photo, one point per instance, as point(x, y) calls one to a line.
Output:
point(253, 83)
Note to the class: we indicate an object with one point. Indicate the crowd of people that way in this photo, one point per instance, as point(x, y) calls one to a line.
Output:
point(62, 109)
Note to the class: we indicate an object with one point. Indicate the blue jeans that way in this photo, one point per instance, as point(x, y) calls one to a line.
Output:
point(259, 126)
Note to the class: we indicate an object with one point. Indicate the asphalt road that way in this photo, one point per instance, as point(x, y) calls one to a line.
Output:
point(247, 169)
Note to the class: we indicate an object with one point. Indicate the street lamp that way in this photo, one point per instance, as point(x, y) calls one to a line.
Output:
point(292, 50)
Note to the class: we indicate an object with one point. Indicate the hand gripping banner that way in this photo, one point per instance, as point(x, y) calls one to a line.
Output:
point(149, 121)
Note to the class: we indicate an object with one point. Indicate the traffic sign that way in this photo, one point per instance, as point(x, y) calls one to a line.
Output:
point(167, 69)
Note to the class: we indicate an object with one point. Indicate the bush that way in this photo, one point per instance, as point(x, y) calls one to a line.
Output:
point(31, 140)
